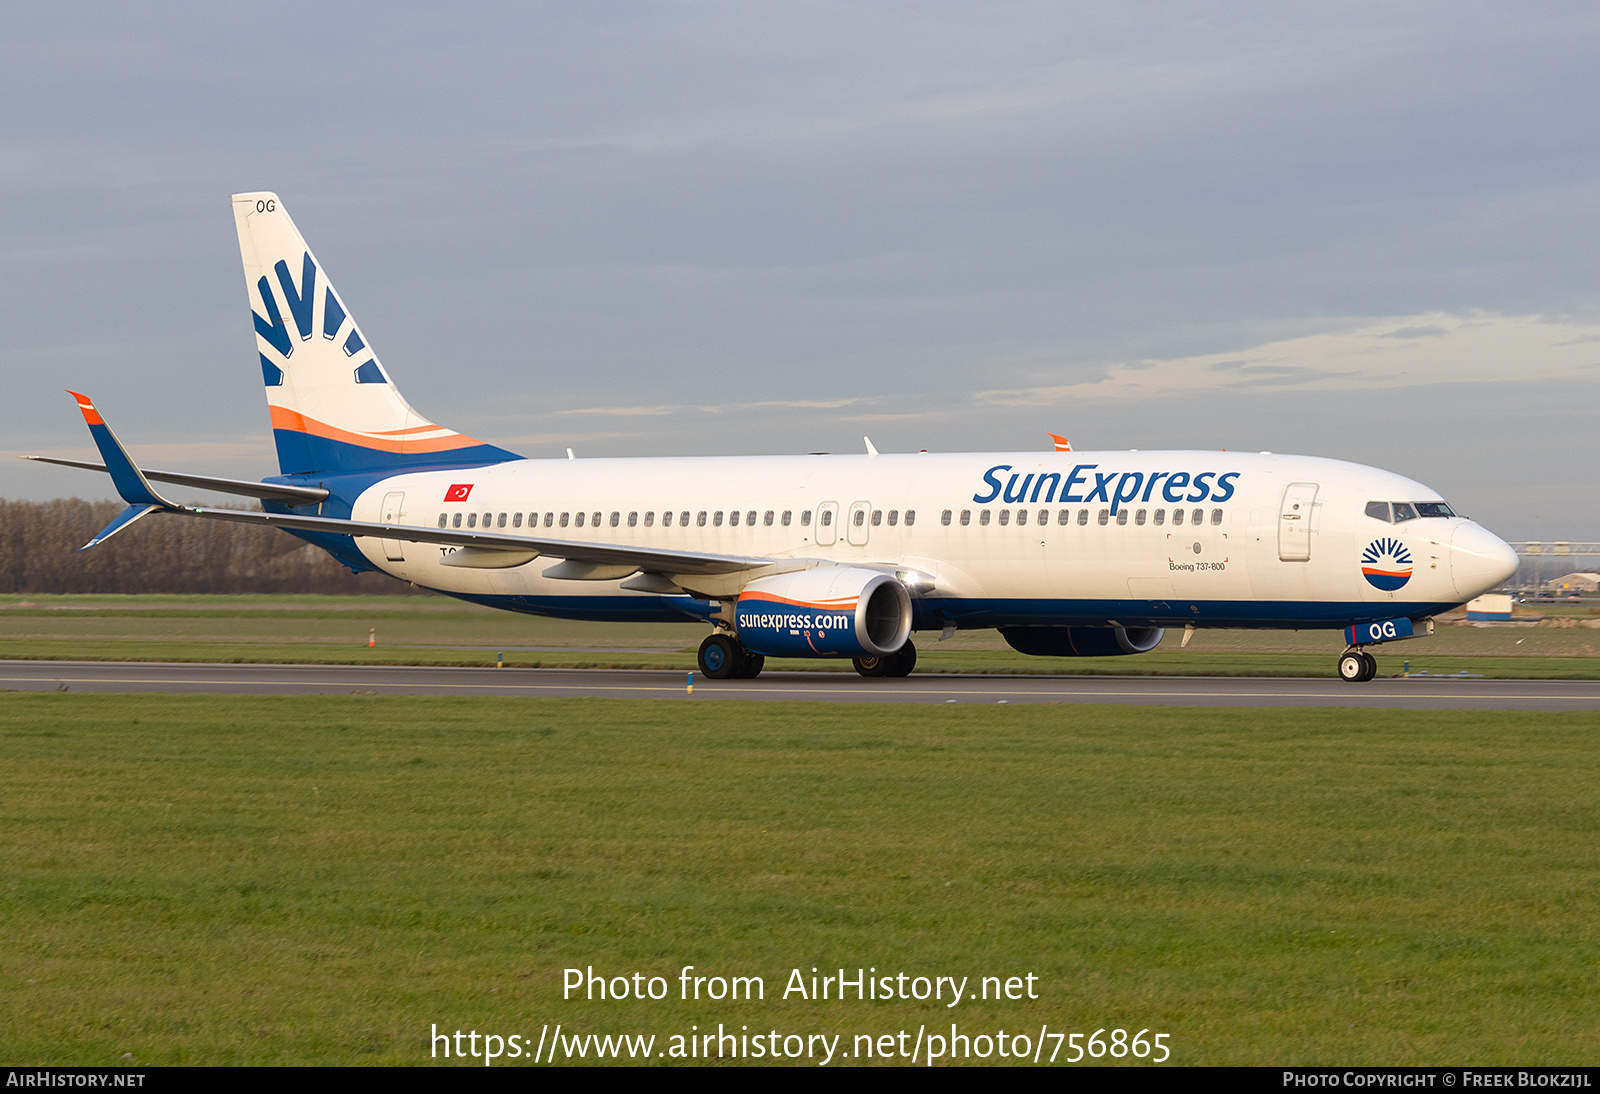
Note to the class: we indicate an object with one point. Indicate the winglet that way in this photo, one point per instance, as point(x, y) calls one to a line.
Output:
point(128, 479)
point(872, 449)
point(1062, 444)
point(123, 519)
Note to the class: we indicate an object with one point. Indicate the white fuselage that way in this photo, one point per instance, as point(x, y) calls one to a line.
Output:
point(984, 539)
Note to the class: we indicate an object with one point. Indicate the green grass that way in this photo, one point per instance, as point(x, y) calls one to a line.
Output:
point(310, 880)
point(416, 630)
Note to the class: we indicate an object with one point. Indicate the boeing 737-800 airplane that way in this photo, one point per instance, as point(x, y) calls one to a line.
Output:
point(1065, 553)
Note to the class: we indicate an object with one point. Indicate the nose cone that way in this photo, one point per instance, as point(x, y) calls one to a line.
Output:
point(1479, 560)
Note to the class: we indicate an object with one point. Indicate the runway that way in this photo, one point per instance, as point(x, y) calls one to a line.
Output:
point(1417, 693)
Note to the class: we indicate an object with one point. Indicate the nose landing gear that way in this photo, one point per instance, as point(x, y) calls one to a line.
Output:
point(1357, 666)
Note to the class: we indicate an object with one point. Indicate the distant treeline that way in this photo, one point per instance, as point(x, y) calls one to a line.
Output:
point(160, 554)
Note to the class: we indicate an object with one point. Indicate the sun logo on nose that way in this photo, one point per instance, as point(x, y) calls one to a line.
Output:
point(1386, 564)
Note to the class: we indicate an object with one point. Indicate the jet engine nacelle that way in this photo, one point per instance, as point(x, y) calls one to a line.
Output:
point(832, 611)
point(1082, 641)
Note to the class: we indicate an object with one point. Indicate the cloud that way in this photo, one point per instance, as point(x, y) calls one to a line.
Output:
point(1364, 355)
point(1433, 331)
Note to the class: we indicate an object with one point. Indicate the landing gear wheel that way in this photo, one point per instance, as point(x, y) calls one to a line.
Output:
point(1372, 666)
point(721, 657)
point(898, 663)
point(870, 666)
point(902, 661)
point(1353, 666)
point(753, 664)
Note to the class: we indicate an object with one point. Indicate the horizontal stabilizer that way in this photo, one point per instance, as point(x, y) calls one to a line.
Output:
point(295, 495)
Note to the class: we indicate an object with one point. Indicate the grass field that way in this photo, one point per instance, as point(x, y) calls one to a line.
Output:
point(214, 879)
point(439, 631)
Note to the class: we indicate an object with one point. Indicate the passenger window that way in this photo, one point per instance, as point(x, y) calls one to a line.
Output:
point(1138, 518)
point(579, 521)
point(750, 518)
point(766, 520)
point(1122, 516)
point(1177, 517)
point(565, 516)
point(805, 518)
point(444, 518)
point(1005, 517)
point(666, 519)
point(860, 517)
point(472, 520)
point(700, 521)
point(516, 520)
point(894, 517)
point(1022, 517)
point(944, 517)
point(633, 520)
point(966, 517)
point(733, 519)
point(1197, 517)
point(716, 519)
point(683, 519)
point(1083, 516)
point(1403, 512)
point(595, 523)
point(786, 513)
point(1216, 516)
point(456, 521)
point(1378, 510)
point(1160, 517)
point(616, 519)
point(983, 517)
point(826, 518)
point(650, 519)
point(501, 523)
point(877, 517)
point(1105, 516)
point(1064, 517)
point(1044, 516)
point(911, 517)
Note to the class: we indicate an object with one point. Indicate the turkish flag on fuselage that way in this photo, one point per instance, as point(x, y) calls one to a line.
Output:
point(458, 492)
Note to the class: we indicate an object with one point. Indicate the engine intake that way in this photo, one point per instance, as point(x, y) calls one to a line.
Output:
point(1082, 641)
point(832, 611)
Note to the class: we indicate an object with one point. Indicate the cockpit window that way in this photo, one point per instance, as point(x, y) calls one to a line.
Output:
point(1404, 511)
point(1378, 510)
point(1434, 509)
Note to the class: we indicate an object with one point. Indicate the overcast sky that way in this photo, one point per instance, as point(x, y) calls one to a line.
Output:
point(1361, 230)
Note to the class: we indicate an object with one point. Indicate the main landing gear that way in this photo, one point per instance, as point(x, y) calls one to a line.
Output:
point(723, 657)
point(1357, 666)
point(899, 663)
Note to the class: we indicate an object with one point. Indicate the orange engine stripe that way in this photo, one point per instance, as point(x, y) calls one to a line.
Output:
point(826, 605)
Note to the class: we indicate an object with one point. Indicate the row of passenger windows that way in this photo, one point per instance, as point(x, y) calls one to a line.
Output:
point(734, 518)
point(1406, 510)
point(1064, 516)
point(859, 517)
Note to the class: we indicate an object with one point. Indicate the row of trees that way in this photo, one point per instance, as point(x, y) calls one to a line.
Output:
point(160, 554)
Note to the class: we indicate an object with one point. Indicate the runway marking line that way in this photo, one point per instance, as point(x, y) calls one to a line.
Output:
point(791, 690)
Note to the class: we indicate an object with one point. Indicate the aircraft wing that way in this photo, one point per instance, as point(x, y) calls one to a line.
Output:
point(133, 484)
point(604, 554)
point(278, 491)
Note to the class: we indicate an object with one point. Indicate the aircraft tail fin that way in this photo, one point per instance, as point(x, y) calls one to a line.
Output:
point(334, 408)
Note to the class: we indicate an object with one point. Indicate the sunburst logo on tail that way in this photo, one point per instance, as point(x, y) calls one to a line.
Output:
point(1386, 564)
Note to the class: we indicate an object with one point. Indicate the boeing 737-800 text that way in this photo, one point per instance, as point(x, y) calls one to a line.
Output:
point(1065, 553)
